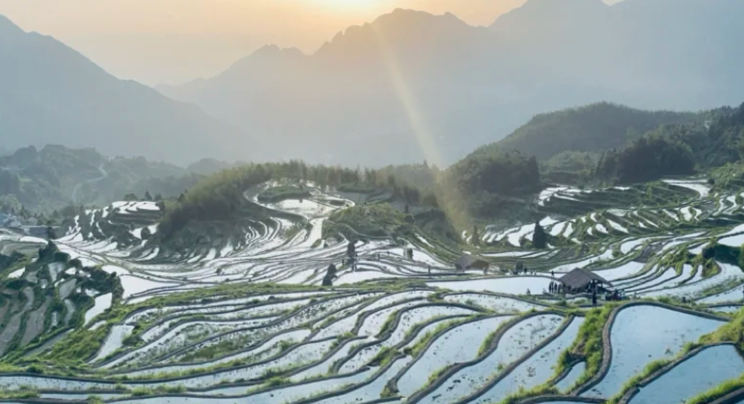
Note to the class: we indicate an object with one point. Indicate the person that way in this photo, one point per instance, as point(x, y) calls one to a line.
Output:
point(330, 275)
point(429, 270)
point(552, 273)
point(485, 270)
point(594, 299)
point(528, 292)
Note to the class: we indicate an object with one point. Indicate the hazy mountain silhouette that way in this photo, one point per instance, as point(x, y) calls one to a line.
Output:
point(52, 94)
point(382, 92)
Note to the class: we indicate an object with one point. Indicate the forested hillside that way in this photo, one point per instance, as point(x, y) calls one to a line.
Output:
point(595, 127)
point(56, 176)
point(667, 150)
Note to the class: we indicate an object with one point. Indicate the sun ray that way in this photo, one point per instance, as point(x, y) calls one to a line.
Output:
point(421, 131)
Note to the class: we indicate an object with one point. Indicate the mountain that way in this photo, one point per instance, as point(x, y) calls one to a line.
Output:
point(652, 54)
point(56, 176)
point(595, 127)
point(53, 94)
point(411, 86)
point(361, 98)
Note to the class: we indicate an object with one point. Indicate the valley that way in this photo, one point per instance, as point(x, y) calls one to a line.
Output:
point(112, 312)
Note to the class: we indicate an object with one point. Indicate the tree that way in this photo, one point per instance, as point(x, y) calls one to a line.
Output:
point(50, 233)
point(475, 239)
point(539, 239)
point(148, 197)
point(130, 197)
point(330, 275)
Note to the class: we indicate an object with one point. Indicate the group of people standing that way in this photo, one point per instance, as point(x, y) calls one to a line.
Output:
point(556, 287)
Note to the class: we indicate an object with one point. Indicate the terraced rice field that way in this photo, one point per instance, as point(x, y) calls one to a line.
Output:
point(244, 318)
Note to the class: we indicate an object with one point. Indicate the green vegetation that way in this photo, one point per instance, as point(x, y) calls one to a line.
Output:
point(732, 331)
point(219, 197)
point(385, 356)
point(523, 394)
point(718, 391)
point(647, 371)
point(646, 159)
point(277, 381)
point(570, 167)
point(588, 344)
point(378, 220)
point(488, 184)
point(488, 342)
point(281, 193)
point(23, 392)
point(46, 180)
point(595, 127)
point(430, 335)
point(539, 238)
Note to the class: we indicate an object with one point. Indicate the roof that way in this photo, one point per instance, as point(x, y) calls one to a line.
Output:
point(579, 278)
point(467, 261)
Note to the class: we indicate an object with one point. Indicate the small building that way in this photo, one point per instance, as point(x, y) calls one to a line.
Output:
point(580, 278)
point(471, 262)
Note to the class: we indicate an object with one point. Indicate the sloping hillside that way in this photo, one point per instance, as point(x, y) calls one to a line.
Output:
point(595, 127)
point(53, 94)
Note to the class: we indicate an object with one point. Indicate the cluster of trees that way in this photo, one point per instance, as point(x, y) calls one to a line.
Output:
point(220, 196)
point(570, 167)
point(646, 159)
point(216, 197)
point(423, 175)
point(487, 183)
point(539, 238)
point(676, 150)
point(496, 172)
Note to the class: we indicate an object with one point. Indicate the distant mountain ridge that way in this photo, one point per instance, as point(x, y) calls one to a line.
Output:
point(591, 128)
point(411, 86)
point(53, 94)
point(407, 87)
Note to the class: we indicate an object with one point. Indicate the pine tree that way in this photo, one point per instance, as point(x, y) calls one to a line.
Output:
point(51, 234)
point(539, 239)
point(475, 239)
point(148, 197)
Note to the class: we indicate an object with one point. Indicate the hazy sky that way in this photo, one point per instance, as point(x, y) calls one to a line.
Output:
point(173, 41)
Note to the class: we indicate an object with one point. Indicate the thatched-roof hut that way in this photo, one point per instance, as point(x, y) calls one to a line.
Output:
point(580, 278)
